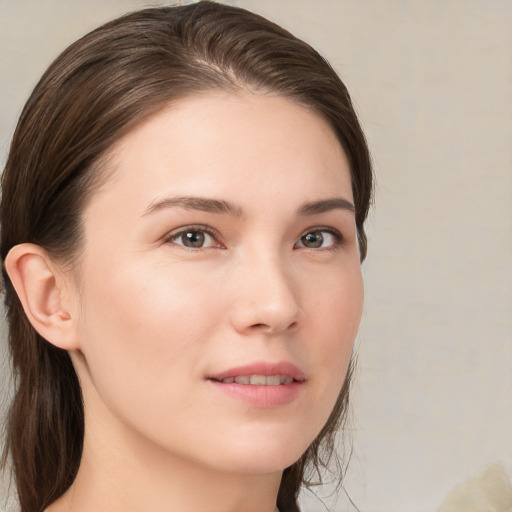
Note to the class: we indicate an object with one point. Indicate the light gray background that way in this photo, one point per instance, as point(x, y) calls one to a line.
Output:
point(431, 81)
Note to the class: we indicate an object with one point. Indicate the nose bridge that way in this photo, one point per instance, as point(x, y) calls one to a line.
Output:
point(268, 294)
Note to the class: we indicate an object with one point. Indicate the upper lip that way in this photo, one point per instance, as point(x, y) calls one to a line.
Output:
point(283, 368)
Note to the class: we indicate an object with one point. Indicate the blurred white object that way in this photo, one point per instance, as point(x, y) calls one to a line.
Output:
point(490, 491)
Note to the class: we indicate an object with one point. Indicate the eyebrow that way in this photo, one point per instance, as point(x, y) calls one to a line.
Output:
point(222, 207)
point(326, 205)
point(204, 204)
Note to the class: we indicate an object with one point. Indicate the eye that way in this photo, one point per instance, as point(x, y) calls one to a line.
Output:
point(319, 239)
point(194, 238)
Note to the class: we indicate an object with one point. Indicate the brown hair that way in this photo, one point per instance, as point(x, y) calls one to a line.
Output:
point(93, 94)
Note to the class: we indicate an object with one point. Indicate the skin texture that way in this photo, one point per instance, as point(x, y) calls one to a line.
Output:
point(148, 319)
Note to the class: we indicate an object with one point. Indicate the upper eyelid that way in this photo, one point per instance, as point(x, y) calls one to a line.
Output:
point(339, 238)
point(174, 233)
point(192, 227)
point(331, 230)
point(216, 235)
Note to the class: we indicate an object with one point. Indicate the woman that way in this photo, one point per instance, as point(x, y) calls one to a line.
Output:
point(182, 231)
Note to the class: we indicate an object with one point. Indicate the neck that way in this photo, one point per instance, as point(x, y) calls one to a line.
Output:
point(121, 472)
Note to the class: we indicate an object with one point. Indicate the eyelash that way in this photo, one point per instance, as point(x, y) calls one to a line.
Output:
point(338, 238)
point(174, 235)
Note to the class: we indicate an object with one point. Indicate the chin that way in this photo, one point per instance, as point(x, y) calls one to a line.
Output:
point(257, 456)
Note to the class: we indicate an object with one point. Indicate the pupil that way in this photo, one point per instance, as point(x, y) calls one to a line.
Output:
point(313, 240)
point(193, 239)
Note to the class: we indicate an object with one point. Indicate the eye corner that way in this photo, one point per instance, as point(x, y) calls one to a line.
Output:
point(320, 239)
point(194, 238)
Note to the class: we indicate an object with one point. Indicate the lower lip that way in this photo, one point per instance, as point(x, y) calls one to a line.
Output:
point(264, 397)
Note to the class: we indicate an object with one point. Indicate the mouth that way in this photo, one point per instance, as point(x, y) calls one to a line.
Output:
point(258, 380)
point(261, 384)
point(261, 373)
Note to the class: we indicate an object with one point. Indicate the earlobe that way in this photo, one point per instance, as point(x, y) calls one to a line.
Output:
point(40, 289)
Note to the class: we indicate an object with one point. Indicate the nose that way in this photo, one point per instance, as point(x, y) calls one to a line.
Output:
point(266, 299)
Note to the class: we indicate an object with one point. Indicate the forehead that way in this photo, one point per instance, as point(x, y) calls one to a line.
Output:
point(224, 143)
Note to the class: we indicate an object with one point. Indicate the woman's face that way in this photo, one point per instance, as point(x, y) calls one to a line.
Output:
point(223, 246)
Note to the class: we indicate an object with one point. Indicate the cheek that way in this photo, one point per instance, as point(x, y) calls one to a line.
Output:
point(337, 307)
point(337, 313)
point(140, 302)
point(142, 332)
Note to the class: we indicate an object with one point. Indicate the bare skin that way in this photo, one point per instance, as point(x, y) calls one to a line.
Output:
point(225, 237)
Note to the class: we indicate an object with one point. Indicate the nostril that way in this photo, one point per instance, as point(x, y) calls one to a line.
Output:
point(272, 329)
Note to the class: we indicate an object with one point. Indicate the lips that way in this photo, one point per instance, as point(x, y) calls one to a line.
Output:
point(261, 385)
point(261, 374)
point(259, 380)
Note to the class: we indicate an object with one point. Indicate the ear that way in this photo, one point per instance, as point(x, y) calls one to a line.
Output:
point(43, 292)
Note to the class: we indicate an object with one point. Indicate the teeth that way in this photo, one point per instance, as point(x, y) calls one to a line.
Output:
point(273, 380)
point(259, 380)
